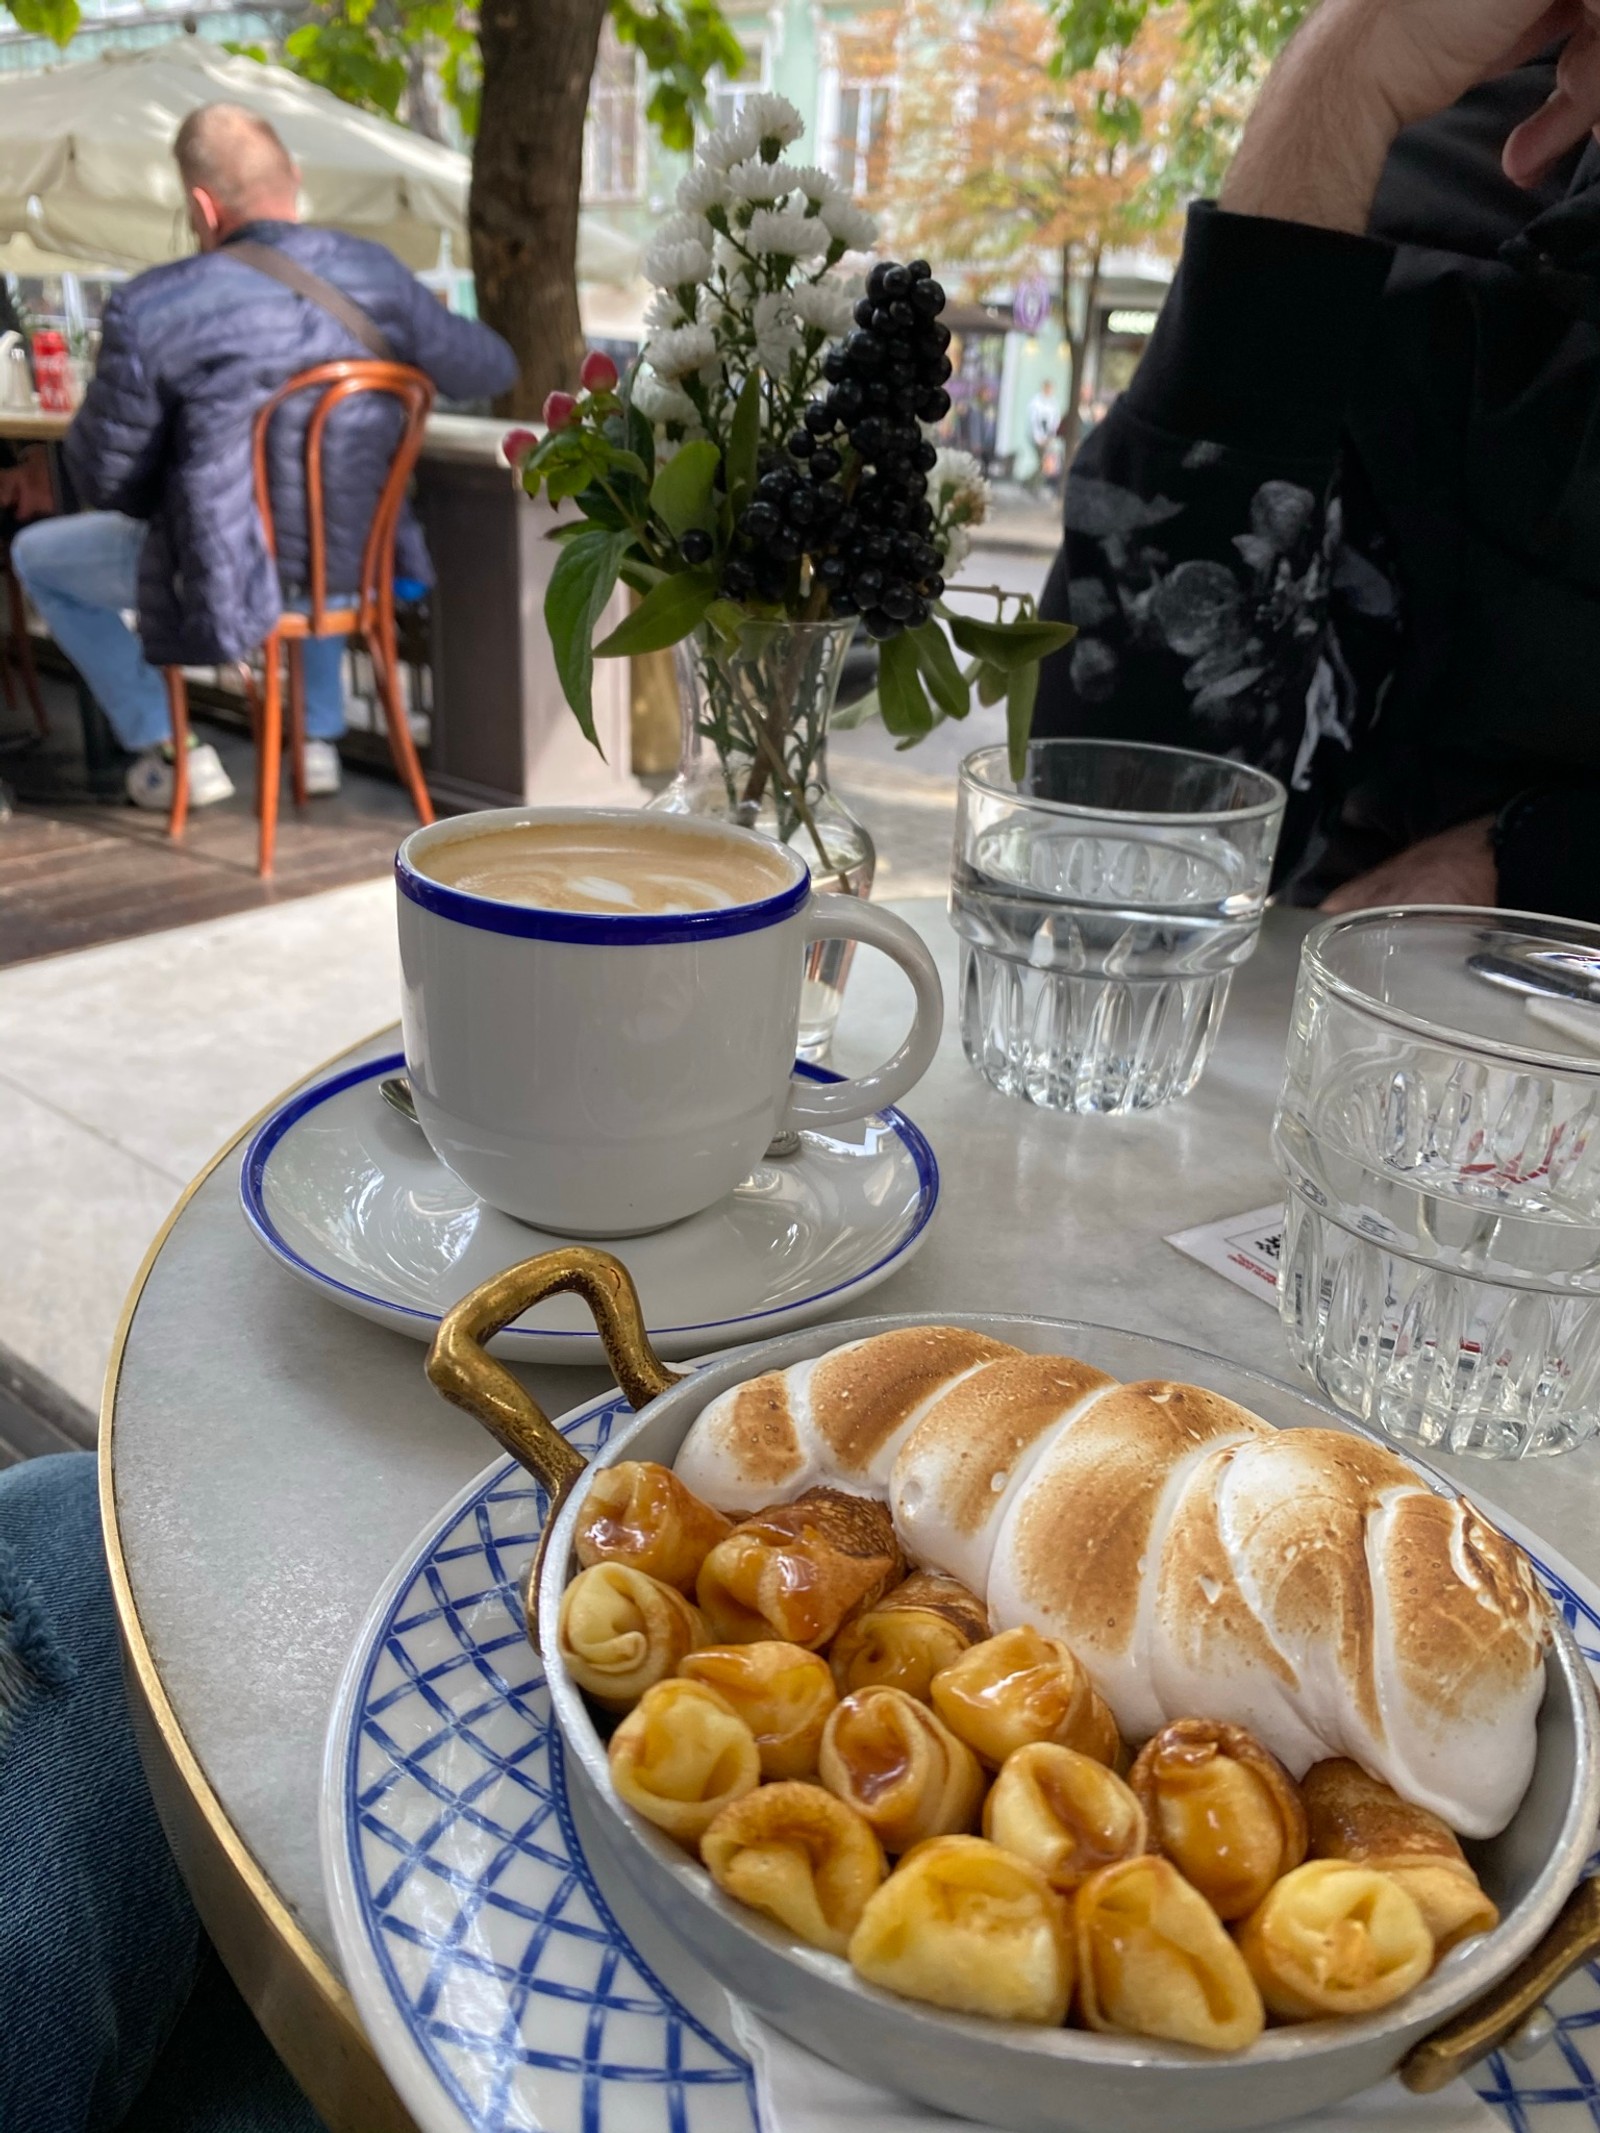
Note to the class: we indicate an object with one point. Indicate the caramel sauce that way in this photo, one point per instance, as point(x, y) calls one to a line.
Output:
point(878, 1758)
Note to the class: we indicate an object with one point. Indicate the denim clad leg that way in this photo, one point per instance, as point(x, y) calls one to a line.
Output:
point(99, 1943)
point(81, 571)
point(324, 660)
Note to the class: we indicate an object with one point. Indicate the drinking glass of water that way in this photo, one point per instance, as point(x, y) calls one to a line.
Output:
point(1439, 1144)
point(1103, 905)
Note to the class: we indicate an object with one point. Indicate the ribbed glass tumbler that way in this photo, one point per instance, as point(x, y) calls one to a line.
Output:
point(1441, 1154)
point(1104, 903)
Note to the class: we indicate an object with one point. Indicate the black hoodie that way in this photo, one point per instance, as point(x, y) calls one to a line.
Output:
point(1345, 522)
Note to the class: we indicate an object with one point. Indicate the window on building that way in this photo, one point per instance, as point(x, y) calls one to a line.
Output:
point(613, 162)
point(861, 133)
point(727, 97)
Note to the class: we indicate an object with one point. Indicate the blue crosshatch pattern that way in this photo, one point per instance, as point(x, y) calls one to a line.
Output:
point(454, 1776)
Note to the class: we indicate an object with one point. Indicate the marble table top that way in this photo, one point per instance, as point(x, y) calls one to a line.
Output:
point(273, 1455)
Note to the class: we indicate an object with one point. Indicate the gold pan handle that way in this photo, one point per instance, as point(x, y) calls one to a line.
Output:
point(1489, 2022)
point(460, 1367)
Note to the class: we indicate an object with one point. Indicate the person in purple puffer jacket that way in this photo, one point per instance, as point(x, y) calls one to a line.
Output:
point(160, 452)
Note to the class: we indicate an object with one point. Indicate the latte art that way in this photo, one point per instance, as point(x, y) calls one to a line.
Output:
point(637, 870)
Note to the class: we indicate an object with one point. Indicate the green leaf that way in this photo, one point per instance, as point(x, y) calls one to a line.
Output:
point(947, 685)
point(641, 436)
point(844, 718)
point(991, 682)
point(568, 480)
point(727, 618)
point(744, 438)
point(680, 495)
point(640, 577)
point(667, 613)
point(1010, 645)
point(1021, 690)
point(55, 19)
point(582, 582)
point(906, 710)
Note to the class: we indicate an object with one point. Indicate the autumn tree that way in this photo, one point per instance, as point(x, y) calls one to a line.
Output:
point(1001, 161)
point(1221, 50)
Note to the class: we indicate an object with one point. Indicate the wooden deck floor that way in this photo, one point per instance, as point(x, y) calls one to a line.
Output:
point(72, 875)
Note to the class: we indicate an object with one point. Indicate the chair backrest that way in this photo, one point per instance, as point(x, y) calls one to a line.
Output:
point(335, 383)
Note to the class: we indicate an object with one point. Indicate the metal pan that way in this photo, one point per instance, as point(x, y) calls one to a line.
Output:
point(1033, 2080)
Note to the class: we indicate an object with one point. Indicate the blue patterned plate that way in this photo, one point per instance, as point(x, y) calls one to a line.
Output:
point(510, 1987)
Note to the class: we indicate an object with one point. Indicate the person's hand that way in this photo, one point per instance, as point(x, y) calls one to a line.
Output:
point(1360, 70)
point(1456, 867)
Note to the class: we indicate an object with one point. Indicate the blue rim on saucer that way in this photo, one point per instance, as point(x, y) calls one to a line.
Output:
point(252, 1176)
point(442, 1734)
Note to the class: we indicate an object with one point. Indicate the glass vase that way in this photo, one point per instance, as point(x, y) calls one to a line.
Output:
point(755, 714)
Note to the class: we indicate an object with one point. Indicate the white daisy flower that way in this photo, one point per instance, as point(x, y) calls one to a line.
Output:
point(760, 183)
point(848, 224)
point(777, 333)
point(719, 151)
point(700, 189)
point(958, 486)
point(728, 259)
point(957, 547)
point(684, 228)
point(658, 401)
point(817, 185)
point(673, 265)
point(787, 232)
point(679, 350)
point(772, 118)
point(826, 306)
point(664, 311)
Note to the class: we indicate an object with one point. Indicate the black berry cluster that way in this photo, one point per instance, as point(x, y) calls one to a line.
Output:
point(850, 488)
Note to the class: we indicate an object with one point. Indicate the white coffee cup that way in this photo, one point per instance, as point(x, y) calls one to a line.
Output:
point(602, 1074)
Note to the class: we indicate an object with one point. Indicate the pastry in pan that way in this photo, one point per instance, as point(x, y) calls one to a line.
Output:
point(1154, 1959)
point(922, 1626)
point(1224, 1811)
point(966, 1926)
point(904, 1772)
point(784, 1694)
point(639, 1513)
point(1333, 1938)
point(1021, 1687)
point(800, 1855)
point(1356, 1817)
point(799, 1571)
point(681, 1755)
point(1067, 1813)
point(621, 1632)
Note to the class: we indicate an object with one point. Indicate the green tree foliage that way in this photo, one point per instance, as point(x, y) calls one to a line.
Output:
point(1225, 47)
point(373, 52)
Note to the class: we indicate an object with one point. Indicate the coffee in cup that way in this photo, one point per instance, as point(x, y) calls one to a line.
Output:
point(600, 1008)
point(604, 864)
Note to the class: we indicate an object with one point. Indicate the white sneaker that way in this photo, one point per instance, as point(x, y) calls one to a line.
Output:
point(149, 780)
point(322, 769)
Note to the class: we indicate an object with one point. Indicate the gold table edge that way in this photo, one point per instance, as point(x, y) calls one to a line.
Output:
point(304, 2008)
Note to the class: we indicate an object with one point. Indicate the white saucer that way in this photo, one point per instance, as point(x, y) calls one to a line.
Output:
point(352, 1200)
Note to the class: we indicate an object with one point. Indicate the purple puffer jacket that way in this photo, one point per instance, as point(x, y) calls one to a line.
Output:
point(189, 352)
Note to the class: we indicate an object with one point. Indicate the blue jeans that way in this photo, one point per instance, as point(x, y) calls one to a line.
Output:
point(82, 573)
point(100, 1948)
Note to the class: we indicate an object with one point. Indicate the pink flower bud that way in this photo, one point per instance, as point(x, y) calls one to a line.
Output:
point(560, 411)
point(515, 446)
point(599, 373)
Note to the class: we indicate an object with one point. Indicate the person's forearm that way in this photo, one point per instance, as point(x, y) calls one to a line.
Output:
point(1316, 143)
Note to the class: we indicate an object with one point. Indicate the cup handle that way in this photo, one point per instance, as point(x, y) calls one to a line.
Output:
point(832, 918)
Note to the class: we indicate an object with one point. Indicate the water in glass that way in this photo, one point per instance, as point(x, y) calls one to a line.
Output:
point(1098, 940)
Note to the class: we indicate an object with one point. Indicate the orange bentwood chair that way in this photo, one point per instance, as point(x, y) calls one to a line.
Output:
point(368, 613)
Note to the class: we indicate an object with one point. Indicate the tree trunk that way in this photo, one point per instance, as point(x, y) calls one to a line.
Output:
point(1077, 342)
point(527, 171)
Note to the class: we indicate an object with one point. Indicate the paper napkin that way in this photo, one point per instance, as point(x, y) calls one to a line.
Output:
point(797, 2092)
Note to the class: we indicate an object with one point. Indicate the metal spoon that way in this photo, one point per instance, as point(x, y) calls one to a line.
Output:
point(396, 1090)
point(1552, 973)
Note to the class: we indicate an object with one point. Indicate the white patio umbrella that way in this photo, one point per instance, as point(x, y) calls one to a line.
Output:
point(86, 165)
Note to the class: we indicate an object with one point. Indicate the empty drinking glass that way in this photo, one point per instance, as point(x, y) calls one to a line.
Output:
point(1103, 906)
point(1441, 1149)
